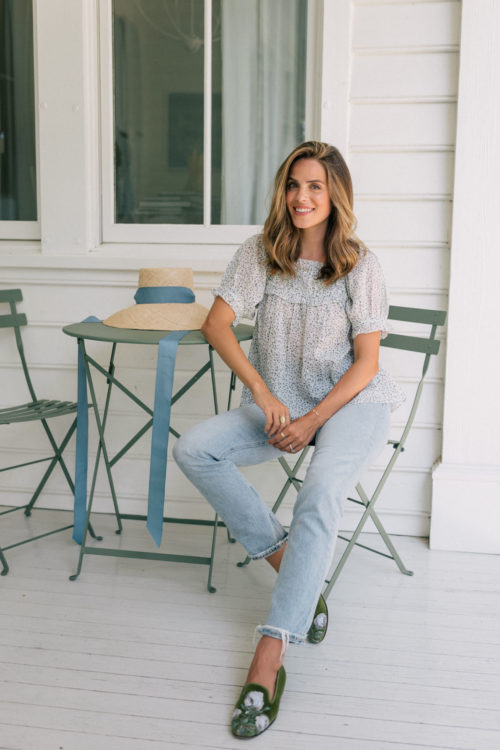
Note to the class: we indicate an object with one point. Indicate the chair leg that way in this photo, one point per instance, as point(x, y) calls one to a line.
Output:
point(5, 567)
point(58, 451)
point(211, 588)
point(383, 533)
point(41, 485)
point(368, 513)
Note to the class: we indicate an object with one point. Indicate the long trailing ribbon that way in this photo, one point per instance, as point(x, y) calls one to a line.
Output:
point(167, 352)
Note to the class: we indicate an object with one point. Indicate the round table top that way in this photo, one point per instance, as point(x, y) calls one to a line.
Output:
point(100, 332)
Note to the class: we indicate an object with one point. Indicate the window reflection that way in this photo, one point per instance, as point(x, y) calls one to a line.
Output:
point(158, 98)
point(17, 112)
point(257, 101)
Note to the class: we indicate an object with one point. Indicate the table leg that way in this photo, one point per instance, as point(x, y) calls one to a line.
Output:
point(101, 424)
point(5, 567)
point(101, 447)
point(111, 370)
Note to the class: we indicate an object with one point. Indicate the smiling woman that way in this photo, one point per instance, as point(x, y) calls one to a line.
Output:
point(311, 377)
point(307, 197)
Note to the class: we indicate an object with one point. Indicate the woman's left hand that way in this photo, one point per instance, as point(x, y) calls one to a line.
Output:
point(297, 434)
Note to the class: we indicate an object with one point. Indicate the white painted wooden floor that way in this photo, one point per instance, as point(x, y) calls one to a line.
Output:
point(137, 655)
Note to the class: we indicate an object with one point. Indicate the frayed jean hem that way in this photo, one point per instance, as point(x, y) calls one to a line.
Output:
point(283, 635)
point(270, 550)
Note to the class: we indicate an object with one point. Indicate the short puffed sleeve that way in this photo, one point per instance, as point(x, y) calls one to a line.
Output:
point(244, 280)
point(367, 306)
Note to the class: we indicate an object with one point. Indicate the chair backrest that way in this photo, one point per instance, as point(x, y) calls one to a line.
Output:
point(15, 320)
point(427, 345)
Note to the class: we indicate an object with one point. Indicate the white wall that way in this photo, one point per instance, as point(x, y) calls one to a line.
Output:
point(400, 136)
point(399, 79)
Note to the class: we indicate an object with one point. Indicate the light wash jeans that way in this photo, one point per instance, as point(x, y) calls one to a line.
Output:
point(348, 442)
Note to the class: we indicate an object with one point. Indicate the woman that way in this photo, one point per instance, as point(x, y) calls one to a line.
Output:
point(312, 375)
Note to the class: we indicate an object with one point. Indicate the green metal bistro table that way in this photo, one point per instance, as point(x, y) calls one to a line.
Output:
point(96, 331)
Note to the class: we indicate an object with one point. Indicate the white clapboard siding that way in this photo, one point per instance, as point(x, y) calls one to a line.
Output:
point(406, 25)
point(402, 119)
point(424, 74)
point(427, 174)
point(414, 219)
point(407, 124)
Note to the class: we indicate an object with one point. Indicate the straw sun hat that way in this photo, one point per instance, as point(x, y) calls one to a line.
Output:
point(174, 308)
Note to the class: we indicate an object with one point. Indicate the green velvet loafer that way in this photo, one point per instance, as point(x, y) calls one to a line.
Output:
point(319, 626)
point(254, 711)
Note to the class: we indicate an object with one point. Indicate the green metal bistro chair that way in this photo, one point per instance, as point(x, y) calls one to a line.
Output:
point(425, 345)
point(40, 410)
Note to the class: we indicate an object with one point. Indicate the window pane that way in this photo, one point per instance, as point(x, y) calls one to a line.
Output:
point(17, 112)
point(259, 70)
point(158, 100)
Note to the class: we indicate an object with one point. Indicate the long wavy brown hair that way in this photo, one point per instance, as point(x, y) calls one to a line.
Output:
point(282, 239)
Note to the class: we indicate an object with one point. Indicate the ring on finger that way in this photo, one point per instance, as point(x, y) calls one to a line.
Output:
point(282, 434)
point(290, 447)
point(282, 420)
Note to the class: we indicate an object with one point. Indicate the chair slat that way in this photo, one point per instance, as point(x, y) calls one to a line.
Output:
point(411, 343)
point(417, 315)
point(11, 321)
point(36, 410)
point(11, 295)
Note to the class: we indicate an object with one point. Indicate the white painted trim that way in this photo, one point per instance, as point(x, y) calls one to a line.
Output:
point(336, 73)
point(107, 129)
point(32, 247)
point(207, 116)
point(408, 149)
point(423, 49)
point(68, 126)
point(439, 99)
point(179, 234)
point(403, 197)
point(20, 230)
point(411, 523)
point(400, 2)
point(315, 14)
point(466, 485)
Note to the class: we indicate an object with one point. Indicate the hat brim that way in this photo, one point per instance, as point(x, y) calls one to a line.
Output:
point(160, 317)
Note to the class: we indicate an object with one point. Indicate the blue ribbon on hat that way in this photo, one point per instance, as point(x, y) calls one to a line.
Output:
point(167, 352)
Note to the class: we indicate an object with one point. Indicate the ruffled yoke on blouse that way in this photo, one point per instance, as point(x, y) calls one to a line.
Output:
point(304, 329)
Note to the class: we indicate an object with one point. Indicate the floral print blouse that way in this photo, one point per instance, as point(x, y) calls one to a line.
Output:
point(304, 329)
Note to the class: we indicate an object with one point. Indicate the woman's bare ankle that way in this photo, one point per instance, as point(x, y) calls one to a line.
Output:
point(266, 663)
point(275, 559)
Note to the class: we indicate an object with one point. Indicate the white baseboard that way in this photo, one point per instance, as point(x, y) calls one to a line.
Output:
point(395, 521)
point(465, 508)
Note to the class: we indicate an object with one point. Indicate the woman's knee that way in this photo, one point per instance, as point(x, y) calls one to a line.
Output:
point(321, 504)
point(190, 446)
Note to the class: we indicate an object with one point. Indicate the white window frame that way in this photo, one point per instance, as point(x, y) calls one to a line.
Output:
point(190, 233)
point(28, 230)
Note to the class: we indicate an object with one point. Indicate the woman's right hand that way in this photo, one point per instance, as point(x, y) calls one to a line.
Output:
point(276, 413)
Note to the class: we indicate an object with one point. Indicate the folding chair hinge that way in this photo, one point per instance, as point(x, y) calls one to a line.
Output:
point(396, 445)
point(111, 371)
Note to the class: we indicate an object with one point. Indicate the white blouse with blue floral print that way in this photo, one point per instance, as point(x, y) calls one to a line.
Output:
point(304, 329)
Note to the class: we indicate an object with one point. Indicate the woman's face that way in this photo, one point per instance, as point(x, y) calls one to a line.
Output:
point(307, 196)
